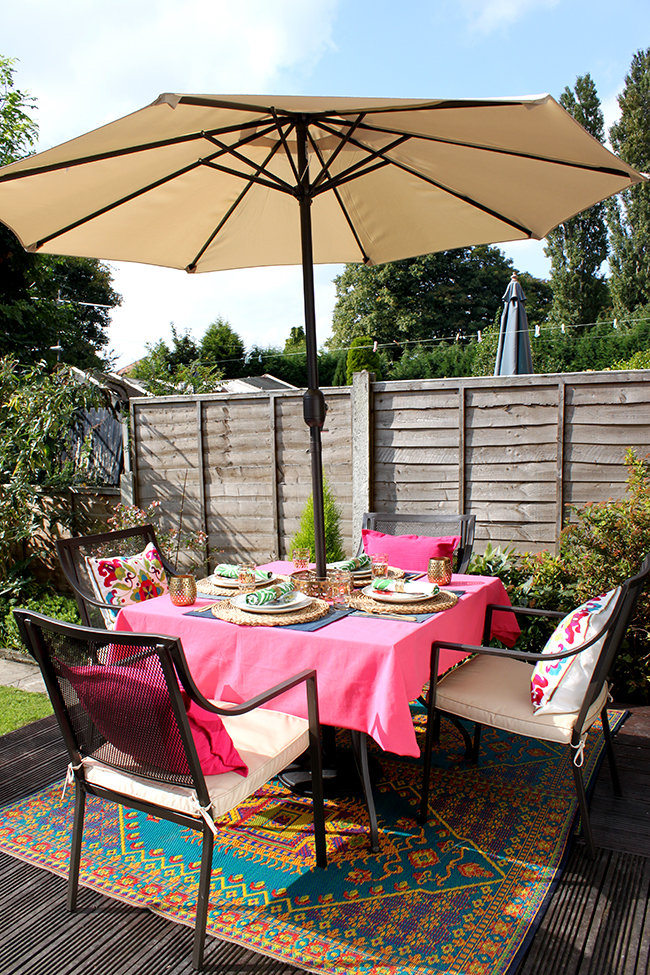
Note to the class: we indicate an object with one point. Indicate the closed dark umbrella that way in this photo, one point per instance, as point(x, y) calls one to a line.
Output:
point(207, 182)
point(514, 357)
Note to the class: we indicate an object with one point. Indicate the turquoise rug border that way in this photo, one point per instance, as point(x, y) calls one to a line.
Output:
point(351, 960)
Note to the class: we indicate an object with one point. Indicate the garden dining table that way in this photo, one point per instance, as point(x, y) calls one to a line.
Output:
point(369, 669)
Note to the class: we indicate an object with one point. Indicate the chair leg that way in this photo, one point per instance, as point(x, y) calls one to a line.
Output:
point(360, 750)
point(75, 848)
point(584, 812)
point(317, 798)
point(203, 898)
point(477, 743)
point(609, 748)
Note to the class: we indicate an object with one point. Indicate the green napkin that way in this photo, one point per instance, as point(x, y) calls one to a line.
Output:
point(363, 562)
point(262, 596)
point(232, 571)
point(383, 584)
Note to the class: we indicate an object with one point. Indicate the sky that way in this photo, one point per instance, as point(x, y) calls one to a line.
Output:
point(88, 63)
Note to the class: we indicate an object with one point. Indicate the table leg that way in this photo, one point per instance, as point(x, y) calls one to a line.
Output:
point(360, 749)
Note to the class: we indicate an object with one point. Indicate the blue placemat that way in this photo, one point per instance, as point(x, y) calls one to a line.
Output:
point(333, 615)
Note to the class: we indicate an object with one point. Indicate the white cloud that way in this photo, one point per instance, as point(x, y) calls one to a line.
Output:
point(89, 63)
point(486, 16)
point(87, 68)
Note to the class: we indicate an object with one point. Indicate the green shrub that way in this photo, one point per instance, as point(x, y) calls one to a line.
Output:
point(603, 546)
point(333, 537)
point(49, 604)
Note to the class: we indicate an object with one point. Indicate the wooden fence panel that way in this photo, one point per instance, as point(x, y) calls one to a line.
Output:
point(517, 452)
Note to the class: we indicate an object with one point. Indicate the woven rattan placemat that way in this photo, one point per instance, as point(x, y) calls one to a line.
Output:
point(434, 604)
point(208, 588)
point(231, 614)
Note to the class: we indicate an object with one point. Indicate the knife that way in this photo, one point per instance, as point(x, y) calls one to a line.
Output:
point(390, 616)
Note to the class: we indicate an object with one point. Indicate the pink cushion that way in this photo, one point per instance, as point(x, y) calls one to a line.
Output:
point(411, 552)
point(109, 692)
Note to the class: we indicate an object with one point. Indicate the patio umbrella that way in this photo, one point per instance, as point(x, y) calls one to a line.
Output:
point(514, 357)
point(206, 182)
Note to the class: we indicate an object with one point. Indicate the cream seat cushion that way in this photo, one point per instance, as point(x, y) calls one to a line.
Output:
point(267, 741)
point(495, 691)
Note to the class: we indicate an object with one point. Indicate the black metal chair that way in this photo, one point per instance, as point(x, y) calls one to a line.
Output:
point(73, 553)
point(427, 524)
point(494, 688)
point(122, 700)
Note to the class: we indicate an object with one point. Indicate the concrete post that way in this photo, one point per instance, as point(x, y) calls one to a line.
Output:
point(361, 451)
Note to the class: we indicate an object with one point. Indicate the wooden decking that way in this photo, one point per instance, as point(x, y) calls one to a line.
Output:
point(598, 922)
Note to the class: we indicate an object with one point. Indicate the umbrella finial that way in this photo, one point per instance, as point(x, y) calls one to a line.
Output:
point(514, 276)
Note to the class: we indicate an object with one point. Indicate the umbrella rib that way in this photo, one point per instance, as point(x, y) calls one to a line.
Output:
point(112, 206)
point(232, 150)
point(517, 153)
point(341, 145)
point(132, 150)
point(363, 167)
point(324, 169)
point(285, 144)
point(191, 268)
point(387, 161)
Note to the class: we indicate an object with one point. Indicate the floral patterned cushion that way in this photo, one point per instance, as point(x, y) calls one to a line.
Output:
point(123, 579)
point(559, 686)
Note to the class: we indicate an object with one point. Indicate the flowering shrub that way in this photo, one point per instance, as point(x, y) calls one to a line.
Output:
point(194, 546)
point(603, 546)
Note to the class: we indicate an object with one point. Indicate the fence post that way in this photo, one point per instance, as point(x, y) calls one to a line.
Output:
point(559, 468)
point(361, 451)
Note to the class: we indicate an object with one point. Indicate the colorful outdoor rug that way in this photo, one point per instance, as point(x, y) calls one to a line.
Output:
point(461, 896)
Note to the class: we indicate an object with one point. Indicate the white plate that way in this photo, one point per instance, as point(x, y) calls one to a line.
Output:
point(385, 596)
point(286, 604)
point(233, 584)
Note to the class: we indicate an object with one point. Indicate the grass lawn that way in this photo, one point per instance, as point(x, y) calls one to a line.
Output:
point(18, 708)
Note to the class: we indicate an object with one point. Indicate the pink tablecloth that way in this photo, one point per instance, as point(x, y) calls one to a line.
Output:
point(368, 669)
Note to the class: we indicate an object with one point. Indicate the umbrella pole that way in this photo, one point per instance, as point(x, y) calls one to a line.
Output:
point(314, 407)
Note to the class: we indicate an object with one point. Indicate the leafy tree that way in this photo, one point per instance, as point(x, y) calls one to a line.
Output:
point(434, 296)
point(18, 130)
point(578, 247)
point(629, 212)
point(222, 347)
point(361, 356)
point(38, 409)
point(178, 369)
point(297, 341)
point(46, 301)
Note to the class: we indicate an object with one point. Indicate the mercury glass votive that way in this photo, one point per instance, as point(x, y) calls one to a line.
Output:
point(182, 590)
point(439, 571)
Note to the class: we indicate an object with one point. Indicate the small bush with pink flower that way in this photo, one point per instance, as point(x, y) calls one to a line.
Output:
point(189, 551)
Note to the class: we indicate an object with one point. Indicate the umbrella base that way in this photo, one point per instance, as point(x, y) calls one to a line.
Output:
point(340, 774)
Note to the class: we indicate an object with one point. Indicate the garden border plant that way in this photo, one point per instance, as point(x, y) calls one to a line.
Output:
point(604, 544)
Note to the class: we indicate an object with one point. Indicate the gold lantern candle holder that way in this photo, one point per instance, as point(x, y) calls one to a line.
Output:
point(439, 571)
point(182, 590)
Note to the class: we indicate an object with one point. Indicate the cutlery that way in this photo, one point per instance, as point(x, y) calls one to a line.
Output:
point(391, 616)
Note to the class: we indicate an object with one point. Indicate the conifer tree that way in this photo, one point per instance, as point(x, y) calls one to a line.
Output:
point(629, 212)
point(578, 247)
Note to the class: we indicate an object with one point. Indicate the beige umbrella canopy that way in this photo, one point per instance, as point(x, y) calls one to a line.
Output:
point(205, 183)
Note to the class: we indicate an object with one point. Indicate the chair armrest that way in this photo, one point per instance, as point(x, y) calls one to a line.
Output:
point(518, 610)
point(525, 655)
point(253, 702)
